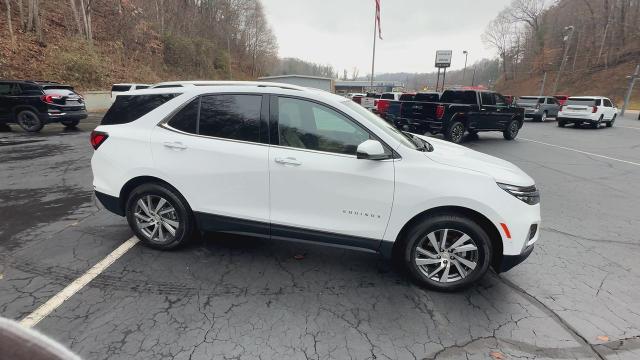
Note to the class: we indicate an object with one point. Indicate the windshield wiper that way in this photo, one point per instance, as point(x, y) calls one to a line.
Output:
point(422, 144)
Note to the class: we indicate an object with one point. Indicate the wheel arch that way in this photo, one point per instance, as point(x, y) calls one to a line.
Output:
point(484, 222)
point(128, 187)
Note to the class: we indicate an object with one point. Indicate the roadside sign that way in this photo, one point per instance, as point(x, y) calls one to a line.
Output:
point(443, 58)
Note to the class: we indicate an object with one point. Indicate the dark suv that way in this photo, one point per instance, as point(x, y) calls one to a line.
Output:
point(32, 104)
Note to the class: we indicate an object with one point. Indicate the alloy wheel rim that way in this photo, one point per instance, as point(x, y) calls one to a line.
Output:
point(457, 132)
point(156, 219)
point(514, 128)
point(446, 255)
point(544, 117)
point(28, 120)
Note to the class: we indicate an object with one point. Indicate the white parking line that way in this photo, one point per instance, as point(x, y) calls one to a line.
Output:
point(582, 152)
point(66, 293)
point(629, 127)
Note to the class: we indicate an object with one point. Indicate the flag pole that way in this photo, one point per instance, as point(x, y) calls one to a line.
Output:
point(373, 59)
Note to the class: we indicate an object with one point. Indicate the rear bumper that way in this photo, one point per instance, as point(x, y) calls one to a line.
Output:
point(577, 120)
point(66, 115)
point(110, 203)
point(510, 261)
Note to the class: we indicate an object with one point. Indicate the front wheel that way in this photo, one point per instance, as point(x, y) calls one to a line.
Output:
point(455, 132)
point(70, 123)
point(511, 132)
point(159, 216)
point(447, 252)
point(29, 121)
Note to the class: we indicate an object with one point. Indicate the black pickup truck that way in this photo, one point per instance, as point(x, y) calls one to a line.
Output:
point(460, 111)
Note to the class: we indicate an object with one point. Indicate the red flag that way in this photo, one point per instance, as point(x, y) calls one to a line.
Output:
point(378, 18)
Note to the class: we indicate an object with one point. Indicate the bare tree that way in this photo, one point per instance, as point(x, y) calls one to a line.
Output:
point(497, 36)
point(11, 35)
point(76, 17)
point(529, 12)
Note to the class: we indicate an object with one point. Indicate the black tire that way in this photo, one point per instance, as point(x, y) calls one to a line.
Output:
point(561, 123)
point(181, 214)
point(29, 121)
point(596, 125)
point(70, 123)
point(512, 129)
point(455, 132)
point(543, 117)
point(455, 225)
point(612, 121)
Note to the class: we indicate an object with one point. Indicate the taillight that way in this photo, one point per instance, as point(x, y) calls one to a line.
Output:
point(49, 98)
point(594, 110)
point(440, 112)
point(97, 138)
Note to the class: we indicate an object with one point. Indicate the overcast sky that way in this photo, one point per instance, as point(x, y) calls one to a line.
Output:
point(340, 32)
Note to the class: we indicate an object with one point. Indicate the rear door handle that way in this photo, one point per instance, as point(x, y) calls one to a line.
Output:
point(288, 161)
point(174, 145)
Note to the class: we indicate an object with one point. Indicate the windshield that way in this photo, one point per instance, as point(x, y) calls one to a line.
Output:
point(382, 125)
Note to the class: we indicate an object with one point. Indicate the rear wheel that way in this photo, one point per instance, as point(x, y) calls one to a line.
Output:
point(596, 124)
point(455, 132)
point(613, 120)
point(447, 252)
point(159, 216)
point(543, 117)
point(29, 121)
point(511, 132)
point(70, 123)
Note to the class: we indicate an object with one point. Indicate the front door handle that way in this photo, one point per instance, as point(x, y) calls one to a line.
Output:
point(174, 145)
point(288, 161)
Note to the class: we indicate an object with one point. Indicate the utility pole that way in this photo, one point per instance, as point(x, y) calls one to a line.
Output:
point(627, 98)
point(373, 58)
point(544, 80)
point(473, 80)
point(464, 72)
point(567, 43)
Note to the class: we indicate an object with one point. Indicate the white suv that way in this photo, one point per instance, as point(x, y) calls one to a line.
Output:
point(293, 163)
point(593, 110)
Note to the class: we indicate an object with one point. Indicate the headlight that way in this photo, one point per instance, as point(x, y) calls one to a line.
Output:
point(528, 194)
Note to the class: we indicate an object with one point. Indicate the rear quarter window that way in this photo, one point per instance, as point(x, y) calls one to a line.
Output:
point(128, 108)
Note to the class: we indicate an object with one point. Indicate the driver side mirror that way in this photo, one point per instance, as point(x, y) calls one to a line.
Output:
point(372, 150)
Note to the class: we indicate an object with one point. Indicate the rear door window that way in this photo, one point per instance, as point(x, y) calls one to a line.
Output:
point(235, 117)
point(607, 103)
point(128, 108)
point(487, 99)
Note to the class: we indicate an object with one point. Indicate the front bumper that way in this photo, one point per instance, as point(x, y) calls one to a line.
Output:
point(509, 261)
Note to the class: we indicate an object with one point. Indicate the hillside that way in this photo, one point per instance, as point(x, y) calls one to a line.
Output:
point(601, 40)
point(135, 41)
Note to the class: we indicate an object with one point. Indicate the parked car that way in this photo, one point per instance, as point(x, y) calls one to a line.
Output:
point(370, 102)
point(562, 99)
point(33, 104)
point(459, 111)
point(592, 110)
point(539, 107)
point(383, 103)
point(291, 164)
point(120, 88)
point(406, 103)
point(509, 98)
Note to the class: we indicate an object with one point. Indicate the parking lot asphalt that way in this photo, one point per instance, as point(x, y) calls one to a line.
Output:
point(576, 297)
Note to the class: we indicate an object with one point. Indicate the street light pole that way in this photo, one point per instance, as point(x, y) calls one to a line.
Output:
point(464, 72)
point(627, 98)
point(567, 43)
point(473, 79)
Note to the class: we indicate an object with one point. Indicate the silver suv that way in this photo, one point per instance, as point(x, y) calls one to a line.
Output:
point(539, 107)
